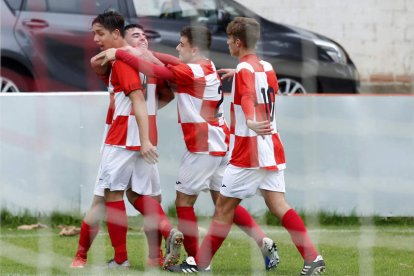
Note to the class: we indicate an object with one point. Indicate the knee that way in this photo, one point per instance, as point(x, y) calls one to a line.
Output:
point(132, 196)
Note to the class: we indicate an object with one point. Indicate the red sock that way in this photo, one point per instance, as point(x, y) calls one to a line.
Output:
point(117, 222)
point(152, 210)
point(297, 230)
point(87, 235)
point(217, 233)
point(187, 224)
point(245, 221)
point(154, 242)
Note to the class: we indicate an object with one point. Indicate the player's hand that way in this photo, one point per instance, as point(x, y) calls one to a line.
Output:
point(227, 73)
point(148, 55)
point(261, 128)
point(149, 153)
point(108, 55)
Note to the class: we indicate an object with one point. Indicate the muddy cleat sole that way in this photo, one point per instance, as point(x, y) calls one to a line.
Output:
point(173, 248)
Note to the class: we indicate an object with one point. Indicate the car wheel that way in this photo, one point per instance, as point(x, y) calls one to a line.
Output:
point(289, 87)
point(11, 82)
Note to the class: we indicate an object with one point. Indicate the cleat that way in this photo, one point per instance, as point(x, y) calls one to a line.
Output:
point(78, 262)
point(317, 267)
point(173, 248)
point(114, 265)
point(188, 266)
point(269, 252)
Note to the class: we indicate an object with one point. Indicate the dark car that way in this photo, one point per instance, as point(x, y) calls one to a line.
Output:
point(46, 44)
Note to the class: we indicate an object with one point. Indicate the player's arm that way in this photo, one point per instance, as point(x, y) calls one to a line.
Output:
point(142, 53)
point(100, 70)
point(245, 82)
point(227, 73)
point(139, 106)
point(165, 93)
point(147, 68)
point(139, 64)
point(166, 58)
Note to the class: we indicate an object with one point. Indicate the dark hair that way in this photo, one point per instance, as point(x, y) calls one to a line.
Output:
point(198, 36)
point(132, 26)
point(246, 29)
point(111, 20)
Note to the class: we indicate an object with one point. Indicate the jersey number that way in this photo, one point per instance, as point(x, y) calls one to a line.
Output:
point(218, 114)
point(269, 102)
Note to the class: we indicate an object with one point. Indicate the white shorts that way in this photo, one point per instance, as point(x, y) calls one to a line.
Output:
point(200, 172)
point(121, 169)
point(242, 183)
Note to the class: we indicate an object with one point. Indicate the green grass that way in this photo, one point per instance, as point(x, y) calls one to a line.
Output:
point(348, 250)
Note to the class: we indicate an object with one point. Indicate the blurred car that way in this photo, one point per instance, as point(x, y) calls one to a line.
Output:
point(46, 44)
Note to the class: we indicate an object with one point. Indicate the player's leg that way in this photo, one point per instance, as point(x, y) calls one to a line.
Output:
point(242, 217)
point(145, 183)
point(89, 230)
point(115, 174)
point(244, 220)
point(194, 176)
point(273, 191)
point(117, 223)
point(230, 196)
point(152, 233)
point(187, 221)
point(218, 230)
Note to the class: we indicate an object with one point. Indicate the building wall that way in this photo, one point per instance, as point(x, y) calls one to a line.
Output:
point(378, 34)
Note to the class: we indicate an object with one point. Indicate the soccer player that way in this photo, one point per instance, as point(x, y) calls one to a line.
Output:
point(257, 156)
point(156, 224)
point(200, 113)
point(122, 141)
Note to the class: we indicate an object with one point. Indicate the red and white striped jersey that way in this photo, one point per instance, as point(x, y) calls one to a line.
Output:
point(200, 110)
point(121, 123)
point(256, 79)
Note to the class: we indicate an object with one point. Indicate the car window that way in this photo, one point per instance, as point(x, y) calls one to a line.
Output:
point(35, 5)
point(231, 9)
point(81, 6)
point(176, 9)
point(72, 6)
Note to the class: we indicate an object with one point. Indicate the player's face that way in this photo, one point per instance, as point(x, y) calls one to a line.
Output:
point(185, 51)
point(233, 47)
point(136, 38)
point(102, 37)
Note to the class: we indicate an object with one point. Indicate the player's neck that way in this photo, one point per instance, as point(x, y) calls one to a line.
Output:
point(120, 43)
point(197, 58)
point(245, 51)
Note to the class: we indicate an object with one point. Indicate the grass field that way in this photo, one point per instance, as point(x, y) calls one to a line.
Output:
point(353, 250)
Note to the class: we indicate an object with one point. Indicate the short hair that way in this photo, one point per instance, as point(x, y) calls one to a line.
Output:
point(111, 20)
point(198, 36)
point(246, 29)
point(132, 26)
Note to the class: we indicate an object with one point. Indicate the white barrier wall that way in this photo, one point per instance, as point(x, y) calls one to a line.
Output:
point(344, 153)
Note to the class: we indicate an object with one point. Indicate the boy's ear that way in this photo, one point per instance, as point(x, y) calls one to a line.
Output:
point(194, 50)
point(116, 34)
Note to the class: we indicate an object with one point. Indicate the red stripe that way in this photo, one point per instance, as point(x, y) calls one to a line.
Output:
point(245, 152)
point(196, 136)
point(279, 152)
point(117, 134)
